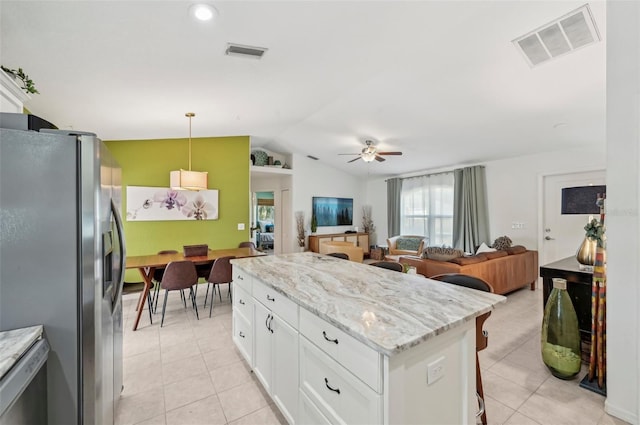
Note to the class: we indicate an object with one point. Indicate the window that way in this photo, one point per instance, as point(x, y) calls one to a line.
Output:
point(426, 207)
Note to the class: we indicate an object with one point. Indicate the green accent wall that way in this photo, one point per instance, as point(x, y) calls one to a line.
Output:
point(148, 163)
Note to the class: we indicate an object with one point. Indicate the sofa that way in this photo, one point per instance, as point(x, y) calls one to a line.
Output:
point(506, 270)
point(406, 245)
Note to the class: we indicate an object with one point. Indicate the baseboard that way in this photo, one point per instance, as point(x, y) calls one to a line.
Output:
point(619, 413)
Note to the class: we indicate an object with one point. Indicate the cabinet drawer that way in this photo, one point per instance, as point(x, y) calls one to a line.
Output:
point(276, 302)
point(243, 303)
point(362, 361)
point(339, 395)
point(242, 279)
point(243, 337)
point(308, 413)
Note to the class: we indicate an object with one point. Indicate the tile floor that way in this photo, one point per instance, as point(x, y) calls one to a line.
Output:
point(189, 372)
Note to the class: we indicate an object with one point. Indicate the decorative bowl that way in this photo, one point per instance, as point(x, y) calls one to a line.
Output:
point(261, 158)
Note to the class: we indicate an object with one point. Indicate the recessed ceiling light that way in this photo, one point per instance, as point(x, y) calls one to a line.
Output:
point(203, 11)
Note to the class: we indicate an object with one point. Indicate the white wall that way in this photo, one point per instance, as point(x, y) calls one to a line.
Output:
point(622, 206)
point(313, 178)
point(513, 187)
point(512, 191)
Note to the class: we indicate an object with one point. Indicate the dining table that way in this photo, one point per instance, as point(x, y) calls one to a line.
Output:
point(148, 264)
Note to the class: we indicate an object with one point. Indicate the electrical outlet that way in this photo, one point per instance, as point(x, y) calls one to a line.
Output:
point(240, 226)
point(435, 370)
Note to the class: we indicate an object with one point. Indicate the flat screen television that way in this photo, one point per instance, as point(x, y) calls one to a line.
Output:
point(332, 211)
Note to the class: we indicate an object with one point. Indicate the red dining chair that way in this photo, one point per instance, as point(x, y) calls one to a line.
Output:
point(179, 275)
point(221, 272)
point(482, 337)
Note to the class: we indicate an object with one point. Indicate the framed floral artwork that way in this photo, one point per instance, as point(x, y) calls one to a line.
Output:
point(162, 204)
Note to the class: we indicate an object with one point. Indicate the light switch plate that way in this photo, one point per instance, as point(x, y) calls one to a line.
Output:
point(240, 226)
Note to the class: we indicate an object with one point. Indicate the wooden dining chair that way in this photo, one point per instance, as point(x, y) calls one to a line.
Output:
point(179, 275)
point(221, 273)
point(389, 265)
point(482, 337)
point(247, 244)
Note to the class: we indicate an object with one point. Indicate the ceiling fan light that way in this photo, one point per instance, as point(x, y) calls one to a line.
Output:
point(368, 156)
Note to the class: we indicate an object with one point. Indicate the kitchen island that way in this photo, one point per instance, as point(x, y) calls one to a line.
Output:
point(333, 341)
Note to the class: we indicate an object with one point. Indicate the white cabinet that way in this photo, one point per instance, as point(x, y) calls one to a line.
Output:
point(12, 96)
point(317, 373)
point(335, 391)
point(276, 348)
point(243, 319)
point(284, 387)
point(263, 364)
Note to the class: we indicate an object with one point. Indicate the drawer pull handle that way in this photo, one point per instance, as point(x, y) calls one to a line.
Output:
point(270, 322)
point(240, 277)
point(241, 334)
point(269, 298)
point(241, 302)
point(326, 382)
point(324, 334)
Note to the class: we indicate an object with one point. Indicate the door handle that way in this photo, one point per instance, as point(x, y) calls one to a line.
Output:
point(549, 238)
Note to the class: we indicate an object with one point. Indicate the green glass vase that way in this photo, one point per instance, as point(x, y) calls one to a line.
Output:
point(560, 340)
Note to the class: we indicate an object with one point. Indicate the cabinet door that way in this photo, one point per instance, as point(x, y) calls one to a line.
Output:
point(262, 352)
point(352, 238)
point(242, 336)
point(363, 242)
point(285, 369)
point(339, 238)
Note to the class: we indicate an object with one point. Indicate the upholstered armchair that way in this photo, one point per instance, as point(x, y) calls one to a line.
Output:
point(406, 245)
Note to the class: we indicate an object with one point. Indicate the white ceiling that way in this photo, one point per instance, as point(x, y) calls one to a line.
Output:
point(439, 80)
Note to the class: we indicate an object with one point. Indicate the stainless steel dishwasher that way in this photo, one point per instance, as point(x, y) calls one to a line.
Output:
point(23, 376)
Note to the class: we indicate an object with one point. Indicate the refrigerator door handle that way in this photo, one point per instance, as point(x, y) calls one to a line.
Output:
point(121, 243)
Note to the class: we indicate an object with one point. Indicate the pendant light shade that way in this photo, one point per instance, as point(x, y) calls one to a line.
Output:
point(187, 179)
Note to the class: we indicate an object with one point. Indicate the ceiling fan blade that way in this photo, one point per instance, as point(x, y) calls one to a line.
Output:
point(348, 154)
point(389, 153)
point(379, 158)
point(354, 159)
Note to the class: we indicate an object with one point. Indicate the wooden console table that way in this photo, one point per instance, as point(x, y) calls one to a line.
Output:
point(359, 239)
point(579, 289)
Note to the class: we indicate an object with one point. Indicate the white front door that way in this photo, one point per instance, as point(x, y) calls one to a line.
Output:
point(562, 234)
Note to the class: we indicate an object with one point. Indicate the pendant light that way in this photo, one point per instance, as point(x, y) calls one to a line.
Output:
point(187, 179)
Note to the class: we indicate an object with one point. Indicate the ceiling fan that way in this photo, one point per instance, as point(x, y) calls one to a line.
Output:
point(369, 153)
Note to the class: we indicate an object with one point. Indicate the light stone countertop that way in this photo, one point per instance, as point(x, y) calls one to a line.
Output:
point(14, 343)
point(386, 310)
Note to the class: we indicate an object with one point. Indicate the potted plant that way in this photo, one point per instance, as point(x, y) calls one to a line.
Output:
point(24, 80)
point(367, 221)
point(300, 228)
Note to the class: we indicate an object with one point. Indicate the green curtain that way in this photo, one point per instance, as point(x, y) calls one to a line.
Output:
point(470, 212)
point(394, 193)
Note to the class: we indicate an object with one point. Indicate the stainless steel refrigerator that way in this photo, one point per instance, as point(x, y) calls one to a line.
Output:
point(61, 262)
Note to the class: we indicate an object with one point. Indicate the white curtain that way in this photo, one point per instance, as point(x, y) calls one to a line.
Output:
point(427, 207)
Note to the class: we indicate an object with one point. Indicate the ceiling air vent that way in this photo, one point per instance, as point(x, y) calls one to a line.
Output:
point(566, 34)
point(245, 51)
